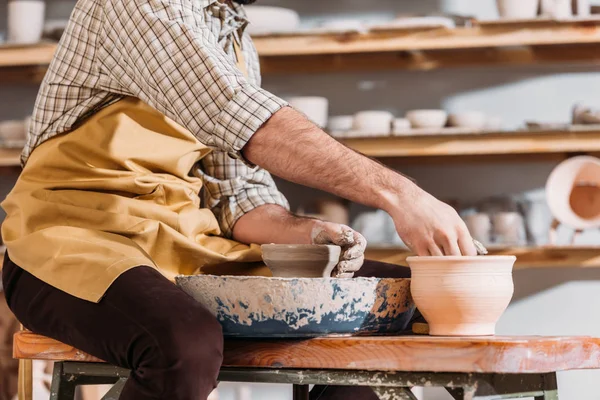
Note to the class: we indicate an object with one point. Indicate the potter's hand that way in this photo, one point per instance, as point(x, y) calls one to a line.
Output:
point(430, 227)
point(353, 246)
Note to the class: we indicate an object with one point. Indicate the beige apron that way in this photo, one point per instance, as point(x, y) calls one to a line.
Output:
point(114, 194)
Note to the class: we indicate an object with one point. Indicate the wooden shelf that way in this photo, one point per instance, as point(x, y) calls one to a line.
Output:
point(40, 54)
point(527, 257)
point(10, 157)
point(468, 145)
point(496, 43)
point(511, 146)
point(499, 43)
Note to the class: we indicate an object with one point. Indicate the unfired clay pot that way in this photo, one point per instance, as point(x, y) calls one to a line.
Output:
point(301, 260)
point(373, 122)
point(462, 296)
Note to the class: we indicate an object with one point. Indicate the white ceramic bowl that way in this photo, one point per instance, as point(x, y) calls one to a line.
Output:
point(315, 108)
point(468, 119)
point(431, 119)
point(25, 21)
point(462, 296)
point(517, 9)
point(576, 171)
point(401, 126)
point(340, 123)
point(373, 122)
point(265, 19)
point(343, 25)
point(13, 130)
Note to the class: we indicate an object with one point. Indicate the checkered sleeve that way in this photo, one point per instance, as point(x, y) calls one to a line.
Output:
point(232, 189)
point(162, 52)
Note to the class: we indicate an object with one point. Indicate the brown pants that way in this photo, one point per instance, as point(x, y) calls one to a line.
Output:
point(172, 344)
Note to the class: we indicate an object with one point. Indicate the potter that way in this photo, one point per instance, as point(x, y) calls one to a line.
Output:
point(153, 105)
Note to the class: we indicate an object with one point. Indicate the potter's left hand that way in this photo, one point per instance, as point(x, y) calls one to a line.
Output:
point(353, 246)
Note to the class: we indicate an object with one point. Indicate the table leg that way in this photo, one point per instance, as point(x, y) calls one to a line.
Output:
point(61, 388)
point(550, 388)
point(300, 392)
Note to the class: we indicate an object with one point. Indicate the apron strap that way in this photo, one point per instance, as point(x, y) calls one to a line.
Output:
point(241, 60)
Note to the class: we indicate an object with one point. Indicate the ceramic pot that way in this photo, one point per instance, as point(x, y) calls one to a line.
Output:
point(432, 119)
point(340, 123)
point(25, 21)
point(469, 119)
point(582, 8)
point(266, 19)
point(517, 9)
point(401, 126)
point(373, 122)
point(13, 130)
point(462, 296)
point(508, 228)
point(573, 192)
point(480, 227)
point(315, 108)
point(303, 307)
point(537, 215)
point(557, 8)
point(301, 260)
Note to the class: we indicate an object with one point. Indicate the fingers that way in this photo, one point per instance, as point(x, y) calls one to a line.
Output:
point(357, 249)
point(467, 247)
point(347, 268)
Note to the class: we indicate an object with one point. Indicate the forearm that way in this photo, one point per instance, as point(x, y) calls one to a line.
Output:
point(273, 224)
point(293, 148)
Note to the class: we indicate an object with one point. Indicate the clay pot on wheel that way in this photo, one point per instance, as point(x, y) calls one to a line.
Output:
point(462, 296)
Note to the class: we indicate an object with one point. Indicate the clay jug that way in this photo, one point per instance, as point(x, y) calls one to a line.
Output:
point(462, 296)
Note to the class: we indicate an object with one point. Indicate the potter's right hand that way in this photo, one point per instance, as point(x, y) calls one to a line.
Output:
point(430, 227)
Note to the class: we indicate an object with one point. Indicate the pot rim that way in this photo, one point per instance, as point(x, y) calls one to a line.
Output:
point(462, 258)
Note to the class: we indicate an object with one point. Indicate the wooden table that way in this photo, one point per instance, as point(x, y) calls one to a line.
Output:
point(469, 368)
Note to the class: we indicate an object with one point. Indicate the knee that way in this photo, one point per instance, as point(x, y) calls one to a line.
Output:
point(195, 345)
point(187, 346)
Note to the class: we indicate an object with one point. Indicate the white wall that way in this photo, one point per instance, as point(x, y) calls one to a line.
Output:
point(543, 305)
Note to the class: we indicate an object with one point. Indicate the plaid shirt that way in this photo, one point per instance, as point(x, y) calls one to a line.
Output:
point(177, 56)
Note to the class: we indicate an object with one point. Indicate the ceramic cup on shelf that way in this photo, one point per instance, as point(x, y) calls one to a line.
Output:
point(340, 123)
point(508, 228)
point(538, 217)
point(267, 19)
point(517, 9)
point(12, 130)
point(25, 21)
point(557, 8)
point(401, 126)
point(314, 107)
point(480, 227)
point(373, 123)
point(431, 119)
point(468, 119)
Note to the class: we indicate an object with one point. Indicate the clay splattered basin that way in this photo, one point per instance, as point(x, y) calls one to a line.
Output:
point(303, 307)
point(462, 296)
